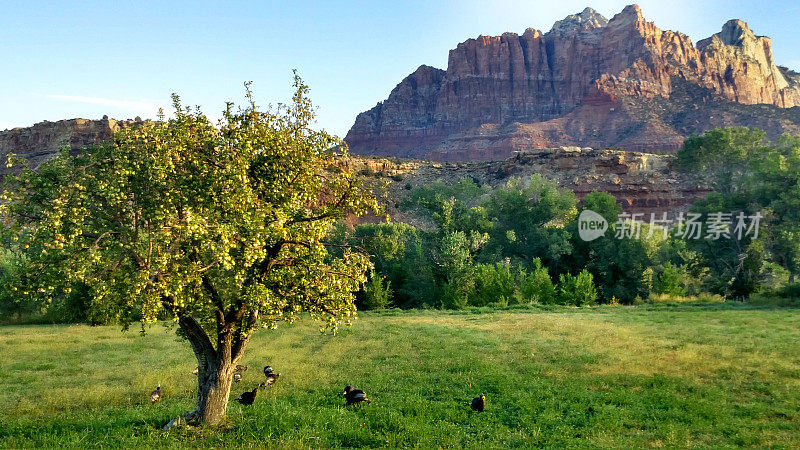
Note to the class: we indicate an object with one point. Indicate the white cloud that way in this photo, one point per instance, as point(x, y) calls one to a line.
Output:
point(127, 105)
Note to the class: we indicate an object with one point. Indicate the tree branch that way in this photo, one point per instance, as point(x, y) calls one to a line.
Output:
point(241, 339)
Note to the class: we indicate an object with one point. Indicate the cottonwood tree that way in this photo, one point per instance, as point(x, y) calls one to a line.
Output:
point(220, 227)
point(750, 175)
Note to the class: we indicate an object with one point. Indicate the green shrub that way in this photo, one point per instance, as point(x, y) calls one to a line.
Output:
point(791, 290)
point(455, 263)
point(74, 306)
point(669, 281)
point(456, 293)
point(494, 285)
point(577, 290)
point(786, 295)
point(12, 305)
point(537, 287)
point(769, 299)
point(377, 292)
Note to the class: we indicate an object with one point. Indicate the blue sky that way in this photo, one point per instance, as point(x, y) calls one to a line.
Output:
point(85, 59)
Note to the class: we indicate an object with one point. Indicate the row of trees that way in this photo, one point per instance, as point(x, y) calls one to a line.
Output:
point(488, 246)
point(495, 285)
point(750, 175)
point(515, 244)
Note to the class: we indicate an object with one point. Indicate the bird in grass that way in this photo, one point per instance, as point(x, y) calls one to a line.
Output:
point(237, 375)
point(354, 396)
point(272, 377)
point(478, 403)
point(155, 396)
point(249, 397)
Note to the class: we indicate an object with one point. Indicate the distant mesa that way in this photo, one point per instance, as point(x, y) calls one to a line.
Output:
point(588, 82)
point(44, 140)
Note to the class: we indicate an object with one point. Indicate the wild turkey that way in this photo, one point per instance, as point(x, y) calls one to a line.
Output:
point(249, 397)
point(155, 396)
point(237, 375)
point(354, 396)
point(478, 403)
point(272, 377)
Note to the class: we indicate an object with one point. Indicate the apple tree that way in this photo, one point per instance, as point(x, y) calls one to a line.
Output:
point(221, 227)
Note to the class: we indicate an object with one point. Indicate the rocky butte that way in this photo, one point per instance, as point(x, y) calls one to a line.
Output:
point(588, 82)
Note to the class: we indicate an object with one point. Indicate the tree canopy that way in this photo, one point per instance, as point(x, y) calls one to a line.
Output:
point(751, 176)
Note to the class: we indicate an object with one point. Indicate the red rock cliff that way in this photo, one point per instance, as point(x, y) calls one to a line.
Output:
point(589, 82)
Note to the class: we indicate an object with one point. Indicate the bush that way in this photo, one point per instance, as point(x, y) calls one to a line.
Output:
point(12, 306)
point(456, 293)
point(377, 294)
point(455, 264)
point(577, 290)
point(401, 254)
point(791, 290)
point(669, 281)
point(494, 285)
point(537, 287)
point(766, 299)
point(786, 295)
point(74, 306)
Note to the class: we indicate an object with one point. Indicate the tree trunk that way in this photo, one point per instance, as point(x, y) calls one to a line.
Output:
point(215, 371)
point(213, 391)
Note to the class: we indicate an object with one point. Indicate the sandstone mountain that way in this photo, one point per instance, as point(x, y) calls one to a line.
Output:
point(588, 82)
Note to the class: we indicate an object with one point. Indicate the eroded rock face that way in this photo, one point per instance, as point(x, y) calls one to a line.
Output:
point(45, 139)
point(406, 118)
point(588, 82)
point(641, 182)
point(741, 63)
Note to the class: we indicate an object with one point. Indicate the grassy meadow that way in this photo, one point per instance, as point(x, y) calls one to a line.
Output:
point(647, 376)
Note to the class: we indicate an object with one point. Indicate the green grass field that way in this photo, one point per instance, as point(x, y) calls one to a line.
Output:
point(659, 376)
